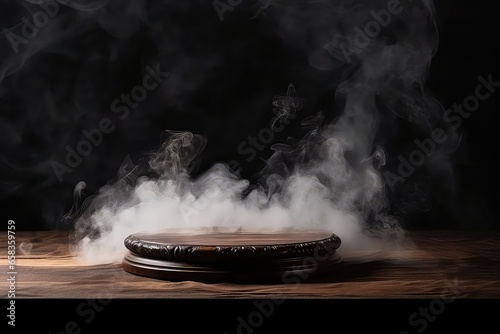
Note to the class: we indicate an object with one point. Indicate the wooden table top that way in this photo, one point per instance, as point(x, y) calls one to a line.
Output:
point(438, 264)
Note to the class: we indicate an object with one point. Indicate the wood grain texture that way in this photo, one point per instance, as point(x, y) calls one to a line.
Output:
point(469, 262)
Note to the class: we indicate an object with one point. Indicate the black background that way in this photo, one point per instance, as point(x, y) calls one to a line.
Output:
point(220, 316)
point(224, 76)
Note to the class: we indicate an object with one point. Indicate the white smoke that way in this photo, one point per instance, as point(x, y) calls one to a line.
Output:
point(325, 194)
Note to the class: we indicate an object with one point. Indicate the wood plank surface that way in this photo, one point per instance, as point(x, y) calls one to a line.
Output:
point(439, 264)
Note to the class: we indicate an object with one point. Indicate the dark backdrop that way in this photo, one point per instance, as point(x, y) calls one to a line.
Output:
point(223, 77)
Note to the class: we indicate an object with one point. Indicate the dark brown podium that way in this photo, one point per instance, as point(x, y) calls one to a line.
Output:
point(232, 257)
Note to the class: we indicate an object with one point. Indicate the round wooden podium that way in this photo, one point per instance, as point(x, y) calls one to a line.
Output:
point(231, 257)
